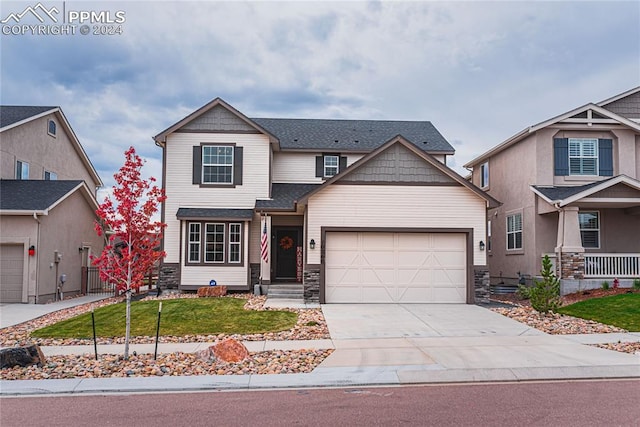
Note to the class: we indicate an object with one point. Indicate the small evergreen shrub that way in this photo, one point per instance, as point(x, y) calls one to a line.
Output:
point(605, 285)
point(545, 294)
point(523, 292)
point(636, 284)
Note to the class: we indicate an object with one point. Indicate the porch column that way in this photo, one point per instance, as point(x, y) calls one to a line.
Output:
point(265, 249)
point(569, 249)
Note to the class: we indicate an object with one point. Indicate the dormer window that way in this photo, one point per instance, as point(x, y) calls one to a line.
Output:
point(51, 128)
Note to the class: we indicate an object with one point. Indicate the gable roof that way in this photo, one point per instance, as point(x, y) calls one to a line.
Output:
point(161, 138)
point(563, 196)
point(568, 117)
point(619, 96)
point(353, 135)
point(491, 202)
point(328, 135)
point(24, 197)
point(12, 116)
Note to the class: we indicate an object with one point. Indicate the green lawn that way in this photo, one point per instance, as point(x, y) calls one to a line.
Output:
point(618, 310)
point(179, 317)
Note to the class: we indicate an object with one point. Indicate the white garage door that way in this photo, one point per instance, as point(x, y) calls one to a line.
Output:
point(11, 270)
point(372, 267)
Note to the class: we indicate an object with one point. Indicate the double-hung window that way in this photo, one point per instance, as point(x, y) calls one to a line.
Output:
point(22, 170)
point(50, 176)
point(589, 229)
point(514, 231)
point(194, 242)
point(235, 234)
point(331, 165)
point(583, 156)
point(217, 164)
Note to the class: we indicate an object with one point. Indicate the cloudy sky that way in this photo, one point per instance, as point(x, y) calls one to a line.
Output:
point(480, 71)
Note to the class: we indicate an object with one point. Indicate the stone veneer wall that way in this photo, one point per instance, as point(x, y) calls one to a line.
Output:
point(311, 283)
point(481, 284)
point(572, 264)
point(254, 270)
point(169, 277)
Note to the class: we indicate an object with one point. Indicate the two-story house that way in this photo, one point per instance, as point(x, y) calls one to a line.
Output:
point(570, 189)
point(47, 205)
point(345, 210)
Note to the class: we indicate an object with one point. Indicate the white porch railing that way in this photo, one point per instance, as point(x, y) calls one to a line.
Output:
point(621, 266)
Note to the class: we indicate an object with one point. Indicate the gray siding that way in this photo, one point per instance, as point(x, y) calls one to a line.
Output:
point(218, 119)
point(628, 107)
point(398, 164)
point(618, 191)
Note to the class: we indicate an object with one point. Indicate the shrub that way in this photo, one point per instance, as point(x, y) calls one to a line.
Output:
point(636, 284)
point(605, 285)
point(523, 292)
point(545, 294)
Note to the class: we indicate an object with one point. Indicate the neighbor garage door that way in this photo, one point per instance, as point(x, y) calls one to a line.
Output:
point(11, 270)
point(373, 267)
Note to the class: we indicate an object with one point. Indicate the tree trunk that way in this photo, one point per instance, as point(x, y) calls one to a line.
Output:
point(128, 326)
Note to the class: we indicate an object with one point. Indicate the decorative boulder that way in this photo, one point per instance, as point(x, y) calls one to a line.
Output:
point(212, 291)
point(21, 356)
point(230, 350)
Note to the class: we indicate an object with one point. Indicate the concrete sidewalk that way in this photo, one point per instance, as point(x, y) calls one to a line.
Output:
point(15, 313)
point(388, 345)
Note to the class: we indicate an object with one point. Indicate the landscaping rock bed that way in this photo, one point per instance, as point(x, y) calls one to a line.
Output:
point(310, 326)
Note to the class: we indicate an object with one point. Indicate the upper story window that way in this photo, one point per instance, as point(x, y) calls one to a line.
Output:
point(328, 165)
point(217, 164)
point(331, 166)
point(514, 231)
point(50, 176)
point(484, 175)
point(51, 128)
point(589, 229)
point(583, 156)
point(22, 170)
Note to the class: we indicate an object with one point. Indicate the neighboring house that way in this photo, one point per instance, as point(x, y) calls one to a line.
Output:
point(47, 205)
point(570, 189)
point(344, 210)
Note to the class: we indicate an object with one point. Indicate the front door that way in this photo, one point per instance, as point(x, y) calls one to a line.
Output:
point(287, 240)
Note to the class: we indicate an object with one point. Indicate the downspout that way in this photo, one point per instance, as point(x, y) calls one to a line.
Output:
point(35, 216)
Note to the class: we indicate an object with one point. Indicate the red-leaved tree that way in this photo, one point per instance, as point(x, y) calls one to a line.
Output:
point(133, 236)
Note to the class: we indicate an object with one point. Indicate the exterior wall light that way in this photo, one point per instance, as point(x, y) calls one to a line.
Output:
point(32, 250)
point(312, 244)
point(481, 245)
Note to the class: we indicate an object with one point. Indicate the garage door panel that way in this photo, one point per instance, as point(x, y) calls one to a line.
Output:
point(11, 272)
point(395, 267)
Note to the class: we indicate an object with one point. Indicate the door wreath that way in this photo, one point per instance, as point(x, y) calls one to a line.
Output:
point(286, 243)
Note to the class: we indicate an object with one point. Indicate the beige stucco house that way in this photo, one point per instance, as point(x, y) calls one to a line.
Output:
point(570, 188)
point(47, 205)
point(332, 210)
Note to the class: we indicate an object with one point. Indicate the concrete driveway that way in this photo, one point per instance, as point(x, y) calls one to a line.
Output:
point(427, 341)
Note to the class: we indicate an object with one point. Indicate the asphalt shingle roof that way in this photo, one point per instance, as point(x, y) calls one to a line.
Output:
point(560, 193)
point(185, 213)
point(352, 135)
point(34, 195)
point(283, 196)
point(10, 114)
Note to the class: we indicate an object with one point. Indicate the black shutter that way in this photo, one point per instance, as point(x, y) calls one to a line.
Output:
point(343, 163)
point(605, 157)
point(237, 166)
point(319, 166)
point(197, 164)
point(561, 156)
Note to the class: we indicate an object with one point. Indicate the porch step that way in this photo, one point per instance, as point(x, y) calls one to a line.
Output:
point(286, 291)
